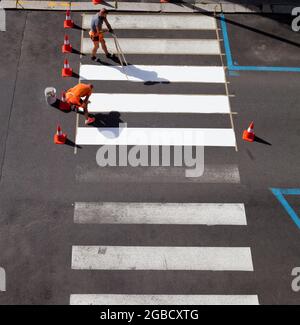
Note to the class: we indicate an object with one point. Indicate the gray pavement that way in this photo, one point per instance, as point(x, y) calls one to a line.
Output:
point(40, 182)
point(229, 6)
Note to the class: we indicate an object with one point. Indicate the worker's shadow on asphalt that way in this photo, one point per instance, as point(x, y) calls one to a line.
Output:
point(110, 120)
point(150, 78)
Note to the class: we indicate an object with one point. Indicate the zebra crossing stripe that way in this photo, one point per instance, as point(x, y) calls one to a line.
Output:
point(154, 103)
point(160, 213)
point(159, 46)
point(144, 73)
point(157, 21)
point(161, 258)
point(184, 300)
point(156, 137)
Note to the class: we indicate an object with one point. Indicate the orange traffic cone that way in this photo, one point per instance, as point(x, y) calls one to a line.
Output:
point(63, 105)
point(66, 71)
point(66, 48)
point(68, 23)
point(59, 137)
point(248, 135)
point(97, 2)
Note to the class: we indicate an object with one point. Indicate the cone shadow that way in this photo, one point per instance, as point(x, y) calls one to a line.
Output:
point(75, 26)
point(72, 144)
point(74, 51)
point(75, 75)
point(262, 141)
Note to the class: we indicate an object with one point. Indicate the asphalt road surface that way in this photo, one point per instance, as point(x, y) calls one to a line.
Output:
point(74, 232)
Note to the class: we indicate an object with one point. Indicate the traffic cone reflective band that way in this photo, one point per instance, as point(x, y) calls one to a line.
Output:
point(66, 48)
point(97, 2)
point(68, 23)
point(60, 137)
point(248, 135)
point(66, 71)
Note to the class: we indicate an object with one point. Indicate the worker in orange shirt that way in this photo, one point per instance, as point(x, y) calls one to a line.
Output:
point(97, 33)
point(78, 96)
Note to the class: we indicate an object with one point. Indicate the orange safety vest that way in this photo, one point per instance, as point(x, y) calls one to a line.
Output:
point(73, 95)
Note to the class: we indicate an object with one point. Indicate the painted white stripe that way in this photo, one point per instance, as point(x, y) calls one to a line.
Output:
point(213, 174)
point(119, 299)
point(157, 21)
point(2, 20)
point(155, 137)
point(153, 73)
point(152, 103)
point(158, 46)
point(161, 258)
point(160, 213)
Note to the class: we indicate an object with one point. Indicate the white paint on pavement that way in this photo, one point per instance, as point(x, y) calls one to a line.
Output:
point(161, 258)
point(158, 46)
point(184, 300)
point(152, 103)
point(160, 213)
point(2, 279)
point(156, 137)
point(2, 20)
point(157, 21)
point(144, 73)
point(213, 174)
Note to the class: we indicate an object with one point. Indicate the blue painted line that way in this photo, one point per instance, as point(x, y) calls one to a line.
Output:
point(279, 193)
point(226, 42)
point(236, 67)
point(290, 191)
point(257, 68)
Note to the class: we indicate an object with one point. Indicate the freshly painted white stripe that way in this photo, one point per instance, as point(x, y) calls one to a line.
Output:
point(152, 103)
point(161, 258)
point(184, 300)
point(2, 279)
point(213, 174)
point(2, 20)
point(160, 213)
point(145, 73)
point(157, 21)
point(156, 137)
point(159, 46)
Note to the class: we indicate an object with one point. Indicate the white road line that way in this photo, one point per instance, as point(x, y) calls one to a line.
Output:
point(2, 20)
point(119, 299)
point(152, 103)
point(159, 46)
point(156, 137)
point(161, 258)
point(213, 174)
point(143, 73)
point(2, 279)
point(160, 213)
point(157, 21)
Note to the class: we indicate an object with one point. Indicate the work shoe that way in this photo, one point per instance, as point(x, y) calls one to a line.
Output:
point(89, 121)
point(93, 58)
point(110, 56)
